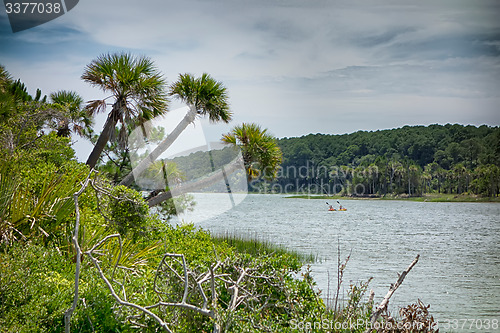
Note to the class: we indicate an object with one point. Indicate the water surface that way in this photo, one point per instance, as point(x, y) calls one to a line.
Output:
point(459, 268)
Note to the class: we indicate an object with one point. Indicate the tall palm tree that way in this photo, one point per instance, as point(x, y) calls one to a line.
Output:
point(261, 156)
point(74, 115)
point(138, 90)
point(204, 96)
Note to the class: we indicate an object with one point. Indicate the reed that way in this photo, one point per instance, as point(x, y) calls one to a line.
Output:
point(255, 244)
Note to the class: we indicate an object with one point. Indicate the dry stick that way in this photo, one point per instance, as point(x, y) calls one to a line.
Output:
point(69, 312)
point(112, 290)
point(385, 302)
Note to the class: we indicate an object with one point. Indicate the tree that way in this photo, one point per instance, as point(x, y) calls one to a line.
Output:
point(70, 104)
point(5, 79)
point(138, 90)
point(261, 156)
point(204, 96)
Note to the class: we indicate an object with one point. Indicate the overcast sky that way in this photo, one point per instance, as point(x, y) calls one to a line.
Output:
point(295, 67)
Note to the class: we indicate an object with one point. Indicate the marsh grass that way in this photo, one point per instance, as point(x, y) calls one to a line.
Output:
point(256, 245)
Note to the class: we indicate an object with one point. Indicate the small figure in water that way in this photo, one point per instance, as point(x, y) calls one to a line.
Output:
point(340, 208)
point(331, 207)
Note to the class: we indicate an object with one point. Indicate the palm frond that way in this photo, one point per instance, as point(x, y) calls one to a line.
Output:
point(260, 151)
point(95, 107)
point(205, 94)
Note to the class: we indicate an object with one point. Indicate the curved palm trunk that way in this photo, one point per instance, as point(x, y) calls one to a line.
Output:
point(104, 137)
point(163, 146)
point(196, 185)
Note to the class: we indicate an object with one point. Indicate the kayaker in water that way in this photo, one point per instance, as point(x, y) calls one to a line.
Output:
point(331, 207)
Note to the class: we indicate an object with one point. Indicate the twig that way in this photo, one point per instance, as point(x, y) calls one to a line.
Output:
point(112, 290)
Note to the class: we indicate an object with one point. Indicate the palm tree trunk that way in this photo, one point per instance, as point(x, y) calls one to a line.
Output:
point(104, 137)
point(214, 177)
point(163, 146)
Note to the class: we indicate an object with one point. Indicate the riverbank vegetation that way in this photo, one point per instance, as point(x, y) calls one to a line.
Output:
point(79, 252)
point(437, 161)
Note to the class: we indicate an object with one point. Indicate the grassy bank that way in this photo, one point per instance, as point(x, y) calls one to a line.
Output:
point(256, 245)
point(433, 197)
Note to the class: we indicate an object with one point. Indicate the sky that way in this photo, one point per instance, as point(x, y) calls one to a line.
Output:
point(294, 67)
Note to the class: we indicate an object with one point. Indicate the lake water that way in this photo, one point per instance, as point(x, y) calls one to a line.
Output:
point(458, 273)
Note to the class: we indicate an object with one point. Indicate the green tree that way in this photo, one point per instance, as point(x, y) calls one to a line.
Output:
point(205, 97)
point(261, 154)
point(75, 119)
point(138, 90)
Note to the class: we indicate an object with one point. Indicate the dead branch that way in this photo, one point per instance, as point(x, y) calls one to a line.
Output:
point(385, 302)
point(110, 286)
point(69, 312)
point(242, 289)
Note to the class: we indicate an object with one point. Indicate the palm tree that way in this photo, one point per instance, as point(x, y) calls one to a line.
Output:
point(204, 96)
point(7, 101)
point(5, 79)
point(261, 156)
point(70, 104)
point(138, 90)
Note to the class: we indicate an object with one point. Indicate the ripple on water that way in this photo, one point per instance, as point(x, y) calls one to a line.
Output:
point(459, 269)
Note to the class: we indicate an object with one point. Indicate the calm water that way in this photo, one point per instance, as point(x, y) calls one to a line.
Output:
point(459, 268)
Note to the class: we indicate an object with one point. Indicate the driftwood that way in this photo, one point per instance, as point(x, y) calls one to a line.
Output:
point(385, 302)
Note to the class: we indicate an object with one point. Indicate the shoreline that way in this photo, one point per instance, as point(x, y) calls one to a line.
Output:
point(424, 198)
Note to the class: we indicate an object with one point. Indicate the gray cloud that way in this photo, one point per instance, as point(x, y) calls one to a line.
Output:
point(293, 65)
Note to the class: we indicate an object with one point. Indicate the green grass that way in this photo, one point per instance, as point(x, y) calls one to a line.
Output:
point(255, 246)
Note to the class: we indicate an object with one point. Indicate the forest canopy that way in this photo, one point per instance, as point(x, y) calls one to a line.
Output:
point(411, 160)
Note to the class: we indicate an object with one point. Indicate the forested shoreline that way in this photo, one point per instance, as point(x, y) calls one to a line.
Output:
point(407, 161)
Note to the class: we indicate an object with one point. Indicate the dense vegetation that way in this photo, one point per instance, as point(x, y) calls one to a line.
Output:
point(130, 258)
point(412, 160)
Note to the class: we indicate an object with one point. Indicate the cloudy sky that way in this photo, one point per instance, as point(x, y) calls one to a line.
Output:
point(295, 67)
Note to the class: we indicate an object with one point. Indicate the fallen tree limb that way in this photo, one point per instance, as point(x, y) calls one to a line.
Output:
point(385, 302)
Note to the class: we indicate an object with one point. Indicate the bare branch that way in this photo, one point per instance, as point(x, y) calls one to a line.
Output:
point(69, 312)
point(111, 289)
point(385, 302)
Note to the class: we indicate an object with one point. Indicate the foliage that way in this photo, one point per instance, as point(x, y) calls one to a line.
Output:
point(414, 318)
point(36, 187)
point(206, 95)
point(133, 81)
point(36, 285)
point(128, 211)
point(76, 118)
point(137, 88)
point(408, 161)
point(261, 154)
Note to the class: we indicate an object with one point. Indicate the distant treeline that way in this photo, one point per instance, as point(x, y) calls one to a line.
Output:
point(411, 160)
